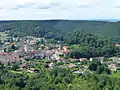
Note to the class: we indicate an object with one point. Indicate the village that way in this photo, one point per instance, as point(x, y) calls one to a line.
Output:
point(30, 52)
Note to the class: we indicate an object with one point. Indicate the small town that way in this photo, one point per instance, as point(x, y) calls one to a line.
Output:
point(29, 51)
point(60, 45)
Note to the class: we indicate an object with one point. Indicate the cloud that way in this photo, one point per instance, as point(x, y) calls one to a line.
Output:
point(26, 5)
point(83, 6)
point(59, 9)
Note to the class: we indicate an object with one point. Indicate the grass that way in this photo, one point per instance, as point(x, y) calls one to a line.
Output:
point(31, 75)
point(16, 71)
point(116, 75)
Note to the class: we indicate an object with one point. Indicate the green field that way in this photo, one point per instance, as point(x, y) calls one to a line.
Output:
point(116, 75)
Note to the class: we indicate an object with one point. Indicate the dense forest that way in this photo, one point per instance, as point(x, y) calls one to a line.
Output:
point(56, 79)
point(56, 28)
point(84, 44)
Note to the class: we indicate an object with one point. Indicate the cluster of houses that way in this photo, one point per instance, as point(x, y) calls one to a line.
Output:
point(25, 51)
point(113, 63)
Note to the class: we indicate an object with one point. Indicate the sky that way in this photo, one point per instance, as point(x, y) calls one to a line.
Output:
point(59, 9)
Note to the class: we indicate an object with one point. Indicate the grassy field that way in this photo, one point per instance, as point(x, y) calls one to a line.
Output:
point(116, 75)
point(16, 71)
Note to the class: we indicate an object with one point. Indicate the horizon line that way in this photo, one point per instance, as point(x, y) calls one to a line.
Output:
point(105, 20)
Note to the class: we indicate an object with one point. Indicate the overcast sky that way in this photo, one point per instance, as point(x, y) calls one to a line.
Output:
point(59, 9)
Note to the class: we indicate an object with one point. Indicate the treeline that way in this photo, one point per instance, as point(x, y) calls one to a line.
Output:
point(51, 28)
point(97, 27)
point(84, 44)
point(31, 28)
point(55, 79)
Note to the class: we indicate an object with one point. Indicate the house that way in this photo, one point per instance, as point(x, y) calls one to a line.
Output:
point(63, 51)
point(76, 60)
point(32, 42)
point(117, 45)
point(101, 59)
point(77, 72)
point(112, 67)
point(56, 57)
point(86, 72)
point(22, 66)
point(83, 59)
point(72, 66)
point(108, 62)
point(39, 55)
point(65, 48)
point(91, 59)
point(6, 58)
point(51, 65)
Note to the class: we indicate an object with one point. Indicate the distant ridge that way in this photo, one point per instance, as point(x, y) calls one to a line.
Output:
point(103, 27)
point(105, 20)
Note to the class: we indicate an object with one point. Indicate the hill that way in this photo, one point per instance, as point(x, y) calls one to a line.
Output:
point(50, 27)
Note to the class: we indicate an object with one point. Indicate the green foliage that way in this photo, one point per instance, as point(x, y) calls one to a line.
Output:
point(116, 74)
point(56, 79)
point(87, 45)
point(99, 68)
point(31, 28)
point(52, 28)
point(93, 66)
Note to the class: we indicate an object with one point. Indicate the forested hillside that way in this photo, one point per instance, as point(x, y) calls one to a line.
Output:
point(85, 58)
point(50, 28)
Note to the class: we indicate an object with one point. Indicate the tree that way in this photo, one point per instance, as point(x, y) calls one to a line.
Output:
point(93, 67)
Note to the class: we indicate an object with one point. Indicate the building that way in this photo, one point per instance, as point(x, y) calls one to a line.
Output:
point(83, 59)
point(51, 65)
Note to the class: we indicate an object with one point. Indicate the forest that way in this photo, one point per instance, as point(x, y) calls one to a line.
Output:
point(58, 28)
point(84, 44)
point(85, 39)
point(55, 79)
